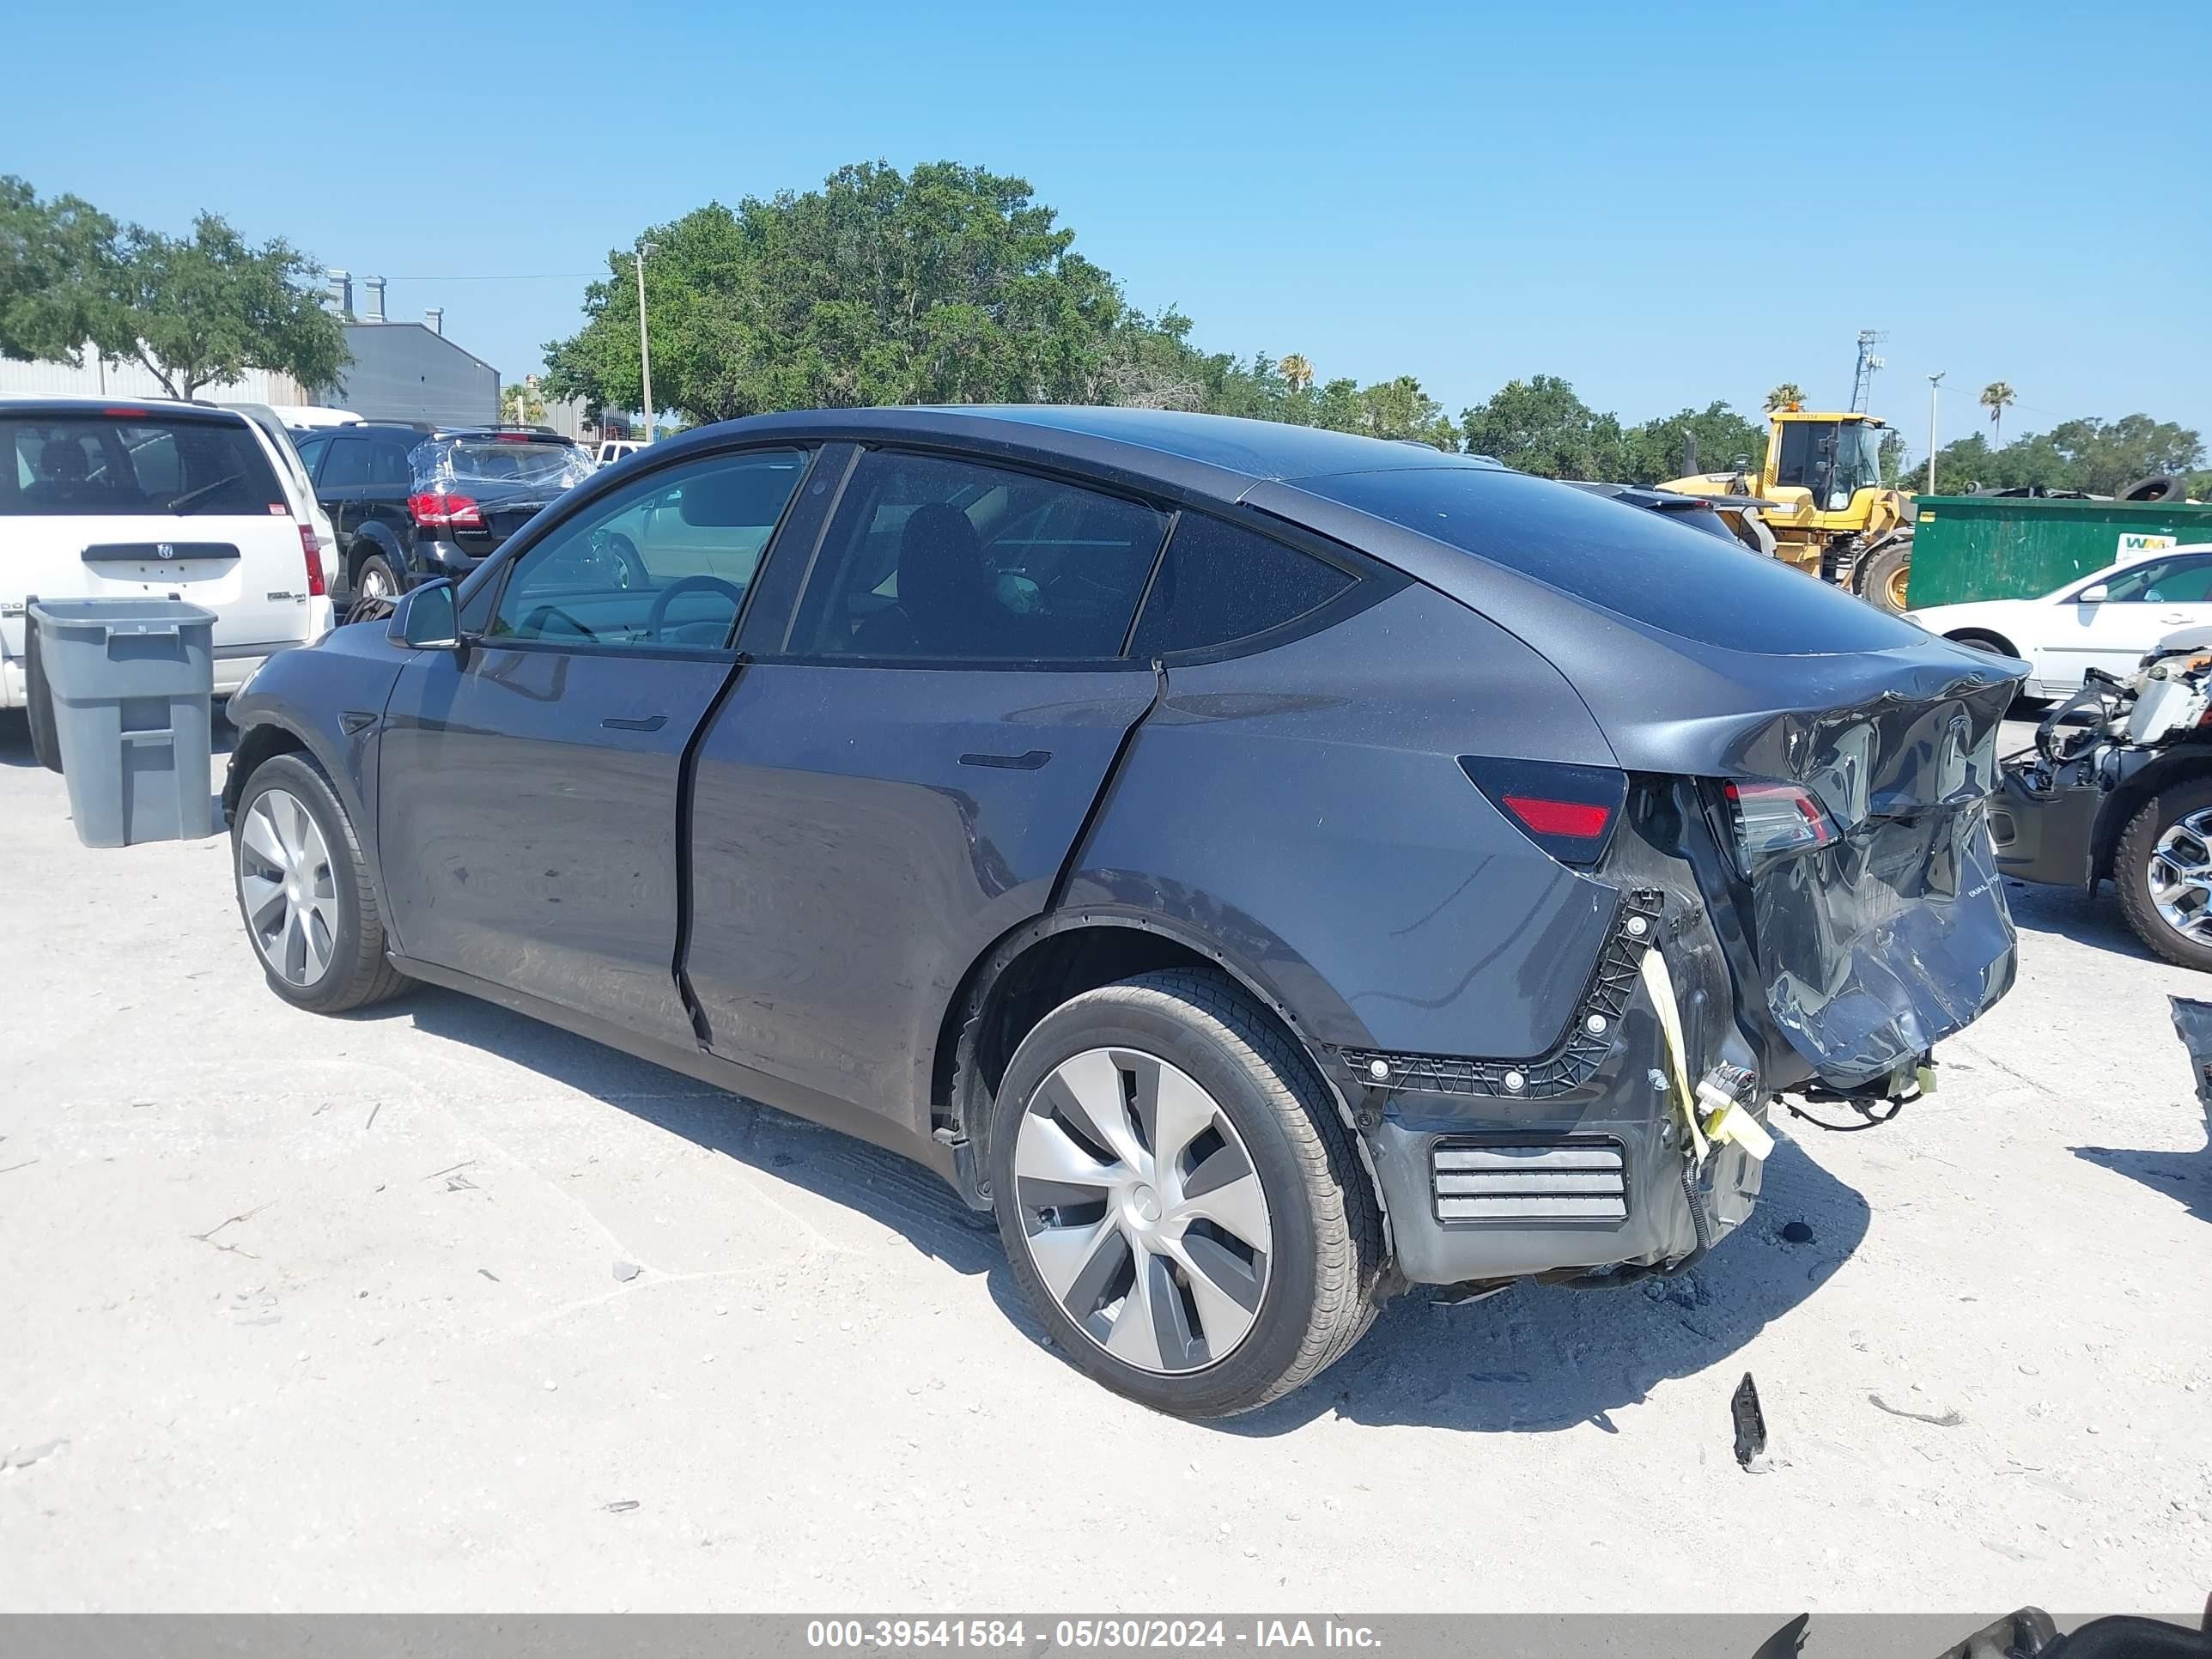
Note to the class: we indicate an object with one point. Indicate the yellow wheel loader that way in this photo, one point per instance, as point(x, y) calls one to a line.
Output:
point(1819, 502)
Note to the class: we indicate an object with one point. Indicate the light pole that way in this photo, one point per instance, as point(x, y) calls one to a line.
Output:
point(1934, 382)
point(644, 347)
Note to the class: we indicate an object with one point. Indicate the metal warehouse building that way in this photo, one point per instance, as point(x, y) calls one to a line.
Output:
point(409, 371)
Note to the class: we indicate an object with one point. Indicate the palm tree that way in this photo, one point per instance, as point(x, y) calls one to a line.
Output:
point(1298, 371)
point(1996, 396)
point(1788, 395)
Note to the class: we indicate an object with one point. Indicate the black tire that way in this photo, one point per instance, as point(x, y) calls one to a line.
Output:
point(1326, 1253)
point(2158, 487)
point(2131, 871)
point(372, 572)
point(1878, 578)
point(38, 702)
point(357, 974)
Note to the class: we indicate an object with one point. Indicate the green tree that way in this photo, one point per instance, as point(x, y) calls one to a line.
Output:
point(1997, 396)
point(56, 263)
point(199, 310)
point(1538, 425)
point(521, 403)
point(1714, 439)
point(1788, 395)
point(948, 285)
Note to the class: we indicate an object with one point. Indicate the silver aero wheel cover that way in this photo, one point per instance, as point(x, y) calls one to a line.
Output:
point(284, 882)
point(375, 584)
point(2181, 877)
point(1141, 1210)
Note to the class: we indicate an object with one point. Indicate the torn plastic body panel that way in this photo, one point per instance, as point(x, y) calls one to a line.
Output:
point(1892, 932)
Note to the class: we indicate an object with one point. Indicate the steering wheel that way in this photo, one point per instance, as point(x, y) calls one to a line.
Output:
point(656, 618)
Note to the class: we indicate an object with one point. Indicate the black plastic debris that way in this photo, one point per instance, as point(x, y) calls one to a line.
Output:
point(1750, 1421)
point(1797, 1232)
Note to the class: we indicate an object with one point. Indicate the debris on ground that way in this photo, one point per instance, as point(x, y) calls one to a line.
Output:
point(625, 1271)
point(1948, 1420)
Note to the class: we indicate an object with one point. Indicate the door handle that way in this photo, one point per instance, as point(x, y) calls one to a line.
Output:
point(650, 723)
point(1028, 762)
point(2176, 616)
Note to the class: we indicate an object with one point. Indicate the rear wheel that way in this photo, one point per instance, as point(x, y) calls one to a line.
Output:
point(376, 580)
point(1181, 1207)
point(304, 892)
point(2163, 868)
point(1884, 576)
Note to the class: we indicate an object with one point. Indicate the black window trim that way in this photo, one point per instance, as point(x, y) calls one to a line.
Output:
point(1372, 581)
point(503, 562)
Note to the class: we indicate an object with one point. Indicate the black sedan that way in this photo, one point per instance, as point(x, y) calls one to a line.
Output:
point(1267, 868)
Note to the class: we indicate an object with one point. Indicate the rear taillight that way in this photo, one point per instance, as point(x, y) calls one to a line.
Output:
point(1568, 811)
point(1774, 821)
point(313, 549)
point(435, 508)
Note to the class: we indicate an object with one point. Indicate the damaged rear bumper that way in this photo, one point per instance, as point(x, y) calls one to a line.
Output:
point(1578, 1159)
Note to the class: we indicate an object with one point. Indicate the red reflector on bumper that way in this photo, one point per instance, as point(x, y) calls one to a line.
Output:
point(1577, 819)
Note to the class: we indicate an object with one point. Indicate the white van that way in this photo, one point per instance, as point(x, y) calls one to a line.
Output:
point(102, 499)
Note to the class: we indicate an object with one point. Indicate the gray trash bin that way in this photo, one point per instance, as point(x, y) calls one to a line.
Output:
point(132, 683)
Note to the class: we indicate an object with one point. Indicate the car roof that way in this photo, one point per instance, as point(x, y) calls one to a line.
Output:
point(1218, 455)
point(63, 404)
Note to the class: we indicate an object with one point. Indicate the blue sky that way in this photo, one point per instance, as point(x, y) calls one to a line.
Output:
point(1664, 205)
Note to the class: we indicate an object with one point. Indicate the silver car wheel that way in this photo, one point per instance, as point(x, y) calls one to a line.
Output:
point(284, 876)
point(375, 584)
point(2181, 877)
point(1141, 1210)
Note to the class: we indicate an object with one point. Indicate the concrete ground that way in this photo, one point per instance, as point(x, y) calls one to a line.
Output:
point(437, 1309)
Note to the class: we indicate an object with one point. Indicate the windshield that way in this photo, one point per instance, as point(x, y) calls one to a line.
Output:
point(1832, 459)
point(501, 461)
point(146, 466)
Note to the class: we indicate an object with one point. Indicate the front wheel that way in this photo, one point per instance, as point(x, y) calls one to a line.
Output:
point(1182, 1205)
point(1884, 576)
point(2163, 869)
point(304, 892)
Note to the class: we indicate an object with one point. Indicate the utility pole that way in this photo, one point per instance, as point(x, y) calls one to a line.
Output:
point(644, 346)
point(1863, 371)
point(1934, 381)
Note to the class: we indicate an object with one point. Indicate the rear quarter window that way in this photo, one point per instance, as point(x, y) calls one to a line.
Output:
point(1218, 584)
point(1623, 559)
point(95, 465)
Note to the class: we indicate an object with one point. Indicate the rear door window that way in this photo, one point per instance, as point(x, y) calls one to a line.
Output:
point(932, 559)
point(1220, 584)
point(347, 465)
point(150, 466)
point(310, 451)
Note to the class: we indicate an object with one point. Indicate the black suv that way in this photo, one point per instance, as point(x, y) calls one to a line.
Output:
point(403, 516)
point(362, 479)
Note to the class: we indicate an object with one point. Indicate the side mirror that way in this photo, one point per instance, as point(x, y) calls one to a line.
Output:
point(2096, 594)
point(426, 618)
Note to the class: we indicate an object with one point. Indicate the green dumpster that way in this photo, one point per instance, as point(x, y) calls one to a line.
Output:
point(2012, 547)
